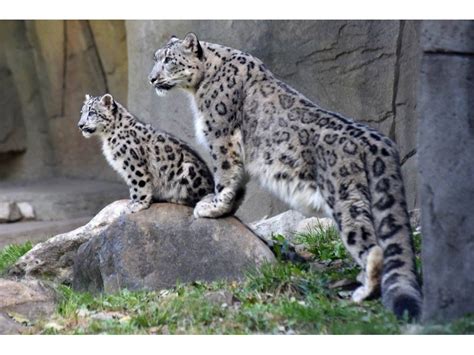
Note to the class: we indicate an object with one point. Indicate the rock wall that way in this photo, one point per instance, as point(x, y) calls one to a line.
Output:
point(46, 68)
point(25, 145)
point(364, 69)
point(446, 147)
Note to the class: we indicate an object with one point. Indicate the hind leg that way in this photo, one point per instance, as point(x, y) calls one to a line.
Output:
point(354, 219)
point(371, 277)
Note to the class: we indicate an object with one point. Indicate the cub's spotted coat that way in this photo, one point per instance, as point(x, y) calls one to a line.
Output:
point(155, 165)
point(315, 160)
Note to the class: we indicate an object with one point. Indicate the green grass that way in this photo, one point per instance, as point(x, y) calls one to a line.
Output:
point(323, 242)
point(280, 298)
point(11, 253)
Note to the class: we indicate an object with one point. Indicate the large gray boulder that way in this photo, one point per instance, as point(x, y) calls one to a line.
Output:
point(151, 249)
point(53, 258)
point(163, 245)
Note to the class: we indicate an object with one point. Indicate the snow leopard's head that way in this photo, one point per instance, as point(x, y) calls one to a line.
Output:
point(97, 114)
point(178, 64)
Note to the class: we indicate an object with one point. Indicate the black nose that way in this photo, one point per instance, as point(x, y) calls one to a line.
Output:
point(152, 79)
point(80, 125)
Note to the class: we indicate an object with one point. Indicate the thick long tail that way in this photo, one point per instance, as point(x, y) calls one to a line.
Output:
point(400, 283)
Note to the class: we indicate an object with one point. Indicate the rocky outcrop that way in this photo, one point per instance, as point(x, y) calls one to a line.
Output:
point(54, 258)
point(151, 249)
point(163, 245)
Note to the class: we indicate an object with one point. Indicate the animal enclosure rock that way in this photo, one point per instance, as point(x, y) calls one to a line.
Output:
point(23, 302)
point(54, 257)
point(288, 224)
point(9, 212)
point(160, 246)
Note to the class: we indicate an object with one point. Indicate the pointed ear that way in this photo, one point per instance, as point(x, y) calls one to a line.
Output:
point(107, 100)
point(191, 43)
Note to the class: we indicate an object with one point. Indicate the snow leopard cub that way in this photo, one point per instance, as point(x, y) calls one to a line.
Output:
point(155, 165)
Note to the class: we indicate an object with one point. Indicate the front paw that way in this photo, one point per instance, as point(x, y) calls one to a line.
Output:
point(208, 198)
point(134, 207)
point(360, 294)
point(208, 208)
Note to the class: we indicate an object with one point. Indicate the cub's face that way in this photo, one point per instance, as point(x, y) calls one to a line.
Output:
point(96, 115)
point(179, 64)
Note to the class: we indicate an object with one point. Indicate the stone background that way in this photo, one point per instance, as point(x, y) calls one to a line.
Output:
point(364, 69)
point(46, 67)
point(446, 154)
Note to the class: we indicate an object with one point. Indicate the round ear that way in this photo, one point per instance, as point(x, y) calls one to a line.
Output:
point(191, 44)
point(88, 97)
point(107, 100)
point(172, 39)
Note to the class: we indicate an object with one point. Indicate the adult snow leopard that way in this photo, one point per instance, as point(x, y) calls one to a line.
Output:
point(315, 160)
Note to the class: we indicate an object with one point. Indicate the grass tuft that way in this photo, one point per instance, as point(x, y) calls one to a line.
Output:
point(11, 253)
point(323, 242)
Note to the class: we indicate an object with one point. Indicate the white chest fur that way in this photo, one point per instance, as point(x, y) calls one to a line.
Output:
point(115, 163)
point(199, 124)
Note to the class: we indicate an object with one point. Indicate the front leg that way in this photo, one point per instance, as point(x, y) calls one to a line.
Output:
point(228, 169)
point(141, 192)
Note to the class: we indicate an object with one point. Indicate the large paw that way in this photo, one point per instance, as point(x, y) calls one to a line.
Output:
point(208, 208)
point(360, 294)
point(208, 198)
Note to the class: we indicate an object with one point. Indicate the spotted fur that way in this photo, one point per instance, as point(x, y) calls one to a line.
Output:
point(155, 165)
point(316, 160)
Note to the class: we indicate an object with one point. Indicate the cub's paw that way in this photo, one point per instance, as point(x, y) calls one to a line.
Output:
point(208, 208)
point(134, 207)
